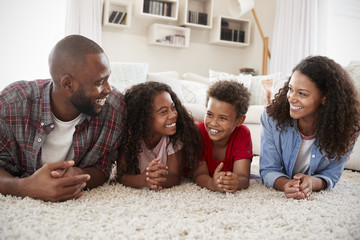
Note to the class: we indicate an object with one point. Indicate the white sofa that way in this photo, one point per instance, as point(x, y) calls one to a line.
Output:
point(191, 89)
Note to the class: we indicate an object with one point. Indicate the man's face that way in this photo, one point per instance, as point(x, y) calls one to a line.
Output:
point(93, 86)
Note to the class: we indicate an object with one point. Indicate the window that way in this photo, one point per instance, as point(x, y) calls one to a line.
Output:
point(29, 30)
point(341, 36)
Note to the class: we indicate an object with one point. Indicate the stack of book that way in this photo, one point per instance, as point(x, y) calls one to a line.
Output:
point(233, 35)
point(173, 39)
point(197, 17)
point(157, 8)
point(229, 34)
point(118, 17)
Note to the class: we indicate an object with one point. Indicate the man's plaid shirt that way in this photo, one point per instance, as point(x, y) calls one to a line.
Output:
point(26, 120)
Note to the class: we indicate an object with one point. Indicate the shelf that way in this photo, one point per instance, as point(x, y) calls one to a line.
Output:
point(164, 9)
point(168, 36)
point(116, 14)
point(235, 34)
point(196, 13)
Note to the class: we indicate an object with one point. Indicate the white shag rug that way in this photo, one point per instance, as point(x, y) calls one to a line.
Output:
point(188, 212)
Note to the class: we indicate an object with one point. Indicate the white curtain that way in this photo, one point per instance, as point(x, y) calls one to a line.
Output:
point(84, 18)
point(294, 35)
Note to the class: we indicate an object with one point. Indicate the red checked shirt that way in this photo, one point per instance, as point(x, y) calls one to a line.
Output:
point(26, 120)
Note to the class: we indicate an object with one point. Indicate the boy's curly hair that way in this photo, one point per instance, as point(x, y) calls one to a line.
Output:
point(339, 117)
point(231, 92)
point(139, 101)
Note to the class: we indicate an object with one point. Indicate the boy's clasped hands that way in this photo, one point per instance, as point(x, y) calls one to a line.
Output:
point(225, 181)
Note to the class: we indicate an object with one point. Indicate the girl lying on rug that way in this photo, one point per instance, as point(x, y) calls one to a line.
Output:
point(227, 147)
point(159, 132)
point(309, 129)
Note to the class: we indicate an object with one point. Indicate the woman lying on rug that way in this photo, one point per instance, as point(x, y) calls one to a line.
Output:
point(158, 133)
point(309, 129)
point(227, 154)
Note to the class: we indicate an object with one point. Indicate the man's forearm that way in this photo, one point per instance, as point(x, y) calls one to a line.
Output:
point(9, 185)
point(97, 177)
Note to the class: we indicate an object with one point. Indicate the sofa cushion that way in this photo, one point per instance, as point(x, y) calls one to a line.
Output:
point(169, 78)
point(124, 74)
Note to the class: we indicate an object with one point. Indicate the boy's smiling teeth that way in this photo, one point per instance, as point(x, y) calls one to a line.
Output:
point(171, 125)
point(214, 130)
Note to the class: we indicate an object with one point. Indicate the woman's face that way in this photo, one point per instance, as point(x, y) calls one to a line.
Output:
point(304, 97)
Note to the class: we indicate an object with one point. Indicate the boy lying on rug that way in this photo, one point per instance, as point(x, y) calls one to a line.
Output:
point(227, 147)
point(309, 129)
point(75, 116)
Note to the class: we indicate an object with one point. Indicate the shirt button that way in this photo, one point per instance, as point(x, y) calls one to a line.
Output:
point(52, 126)
point(313, 156)
point(42, 123)
point(39, 140)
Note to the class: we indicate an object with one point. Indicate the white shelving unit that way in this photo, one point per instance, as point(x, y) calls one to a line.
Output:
point(236, 34)
point(168, 35)
point(116, 14)
point(193, 12)
point(160, 9)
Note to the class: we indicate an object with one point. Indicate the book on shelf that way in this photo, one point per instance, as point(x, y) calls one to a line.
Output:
point(118, 17)
point(112, 16)
point(146, 6)
point(197, 17)
point(123, 19)
point(202, 19)
point(157, 8)
point(232, 35)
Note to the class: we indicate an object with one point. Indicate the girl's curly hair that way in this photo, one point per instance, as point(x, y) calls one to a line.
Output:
point(338, 122)
point(139, 101)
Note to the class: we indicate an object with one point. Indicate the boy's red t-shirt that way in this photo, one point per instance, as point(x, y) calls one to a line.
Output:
point(238, 147)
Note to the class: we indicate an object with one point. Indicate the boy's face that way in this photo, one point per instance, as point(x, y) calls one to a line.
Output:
point(220, 120)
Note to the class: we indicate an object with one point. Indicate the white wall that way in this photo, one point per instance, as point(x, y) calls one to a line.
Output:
point(29, 30)
point(130, 45)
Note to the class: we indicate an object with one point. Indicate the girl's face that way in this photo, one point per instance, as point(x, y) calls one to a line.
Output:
point(220, 120)
point(304, 97)
point(164, 115)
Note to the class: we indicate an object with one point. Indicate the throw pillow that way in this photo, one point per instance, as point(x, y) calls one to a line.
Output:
point(259, 84)
point(219, 76)
point(168, 74)
point(174, 83)
point(194, 92)
point(124, 75)
point(195, 77)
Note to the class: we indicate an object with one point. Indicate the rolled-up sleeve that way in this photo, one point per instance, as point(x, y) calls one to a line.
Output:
point(271, 165)
point(330, 170)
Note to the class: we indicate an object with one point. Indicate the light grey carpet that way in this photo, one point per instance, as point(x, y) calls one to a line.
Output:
point(188, 212)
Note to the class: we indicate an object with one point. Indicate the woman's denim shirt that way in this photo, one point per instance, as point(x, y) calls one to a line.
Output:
point(279, 149)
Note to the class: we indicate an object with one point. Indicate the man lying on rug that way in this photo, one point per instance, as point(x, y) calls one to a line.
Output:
point(59, 136)
point(309, 129)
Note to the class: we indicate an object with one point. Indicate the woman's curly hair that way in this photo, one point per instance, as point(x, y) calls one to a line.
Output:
point(139, 101)
point(231, 92)
point(338, 122)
